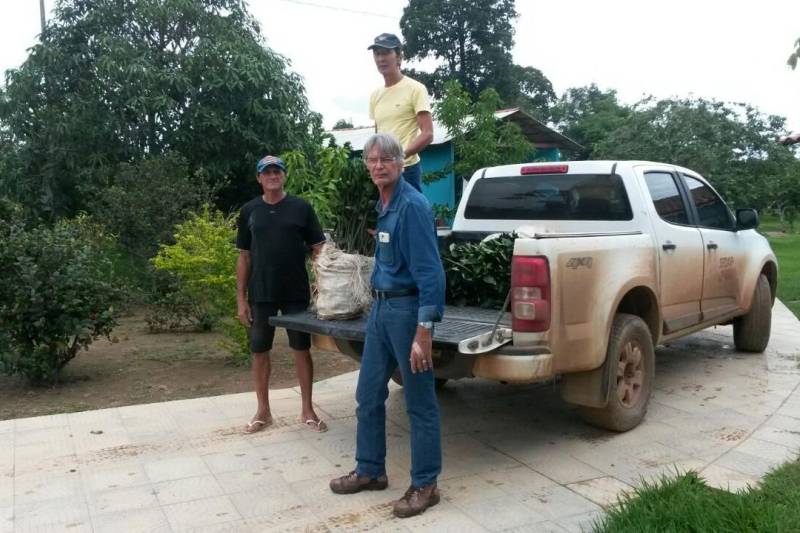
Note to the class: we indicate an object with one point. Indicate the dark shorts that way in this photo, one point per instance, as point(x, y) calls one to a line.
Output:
point(262, 334)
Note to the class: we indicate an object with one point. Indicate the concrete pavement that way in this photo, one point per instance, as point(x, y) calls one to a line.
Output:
point(516, 458)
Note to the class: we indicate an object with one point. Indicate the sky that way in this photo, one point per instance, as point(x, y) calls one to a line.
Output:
point(733, 51)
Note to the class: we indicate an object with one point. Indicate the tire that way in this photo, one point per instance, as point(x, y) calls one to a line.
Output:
point(438, 382)
point(751, 331)
point(630, 371)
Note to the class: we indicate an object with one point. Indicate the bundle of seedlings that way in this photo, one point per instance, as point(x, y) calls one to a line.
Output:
point(479, 274)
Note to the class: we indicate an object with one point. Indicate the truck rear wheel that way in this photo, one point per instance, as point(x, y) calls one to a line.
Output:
point(751, 331)
point(629, 370)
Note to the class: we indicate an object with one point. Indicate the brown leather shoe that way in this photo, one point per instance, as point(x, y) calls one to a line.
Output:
point(416, 500)
point(352, 483)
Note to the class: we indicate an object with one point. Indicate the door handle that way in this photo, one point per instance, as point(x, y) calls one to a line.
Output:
point(711, 246)
point(669, 246)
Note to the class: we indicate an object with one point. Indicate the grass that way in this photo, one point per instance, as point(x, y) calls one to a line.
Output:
point(787, 249)
point(686, 503)
point(772, 224)
point(786, 245)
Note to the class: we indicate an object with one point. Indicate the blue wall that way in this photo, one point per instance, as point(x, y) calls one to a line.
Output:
point(435, 158)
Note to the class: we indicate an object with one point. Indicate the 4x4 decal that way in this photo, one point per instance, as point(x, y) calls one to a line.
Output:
point(577, 262)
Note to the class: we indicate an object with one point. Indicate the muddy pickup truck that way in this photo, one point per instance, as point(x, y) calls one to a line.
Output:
point(610, 260)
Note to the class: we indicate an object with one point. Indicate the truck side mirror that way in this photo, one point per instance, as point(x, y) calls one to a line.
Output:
point(746, 219)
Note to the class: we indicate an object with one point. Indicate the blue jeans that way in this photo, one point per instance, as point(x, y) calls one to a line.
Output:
point(391, 328)
point(413, 175)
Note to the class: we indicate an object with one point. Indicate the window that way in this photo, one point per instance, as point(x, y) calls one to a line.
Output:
point(550, 197)
point(711, 210)
point(666, 197)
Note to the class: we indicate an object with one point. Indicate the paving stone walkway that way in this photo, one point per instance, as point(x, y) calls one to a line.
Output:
point(516, 458)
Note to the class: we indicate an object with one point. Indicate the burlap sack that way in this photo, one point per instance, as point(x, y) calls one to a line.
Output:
point(342, 288)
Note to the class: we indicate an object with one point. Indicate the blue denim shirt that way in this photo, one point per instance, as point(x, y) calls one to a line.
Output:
point(407, 252)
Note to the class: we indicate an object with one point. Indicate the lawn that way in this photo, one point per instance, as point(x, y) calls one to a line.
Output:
point(787, 249)
point(686, 503)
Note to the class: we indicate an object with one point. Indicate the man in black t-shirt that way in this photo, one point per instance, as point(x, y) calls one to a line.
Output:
point(275, 232)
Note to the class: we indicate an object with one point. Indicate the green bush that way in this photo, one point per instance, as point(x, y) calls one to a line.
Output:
point(479, 274)
point(203, 259)
point(57, 296)
point(142, 202)
point(176, 311)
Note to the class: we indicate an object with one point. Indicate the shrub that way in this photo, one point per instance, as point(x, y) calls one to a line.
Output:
point(176, 311)
point(479, 274)
point(142, 202)
point(58, 295)
point(203, 259)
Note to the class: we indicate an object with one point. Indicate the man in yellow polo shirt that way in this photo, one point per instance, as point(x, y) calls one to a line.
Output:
point(401, 107)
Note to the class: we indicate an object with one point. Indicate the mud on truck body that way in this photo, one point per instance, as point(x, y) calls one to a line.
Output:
point(611, 259)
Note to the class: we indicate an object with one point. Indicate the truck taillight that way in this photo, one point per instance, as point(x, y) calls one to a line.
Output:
point(530, 293)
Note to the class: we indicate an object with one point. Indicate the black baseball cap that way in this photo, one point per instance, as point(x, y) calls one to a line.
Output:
point(385, 40)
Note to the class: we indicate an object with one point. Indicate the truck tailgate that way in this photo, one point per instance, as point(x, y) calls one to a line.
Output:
point(459, 323)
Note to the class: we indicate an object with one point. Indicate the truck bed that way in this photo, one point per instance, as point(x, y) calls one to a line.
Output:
point(458, 323)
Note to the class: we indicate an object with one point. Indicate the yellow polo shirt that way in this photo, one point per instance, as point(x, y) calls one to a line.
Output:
point(394, 110)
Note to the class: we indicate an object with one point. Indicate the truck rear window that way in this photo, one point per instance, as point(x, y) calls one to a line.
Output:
point(550, 197)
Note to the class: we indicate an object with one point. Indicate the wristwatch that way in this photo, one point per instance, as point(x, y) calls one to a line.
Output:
point(427, 324)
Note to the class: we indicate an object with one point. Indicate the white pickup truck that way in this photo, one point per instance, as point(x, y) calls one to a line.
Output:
point(611, 259)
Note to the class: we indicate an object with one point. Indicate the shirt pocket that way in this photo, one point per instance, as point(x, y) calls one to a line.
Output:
point(387, 237)
point(386, 252)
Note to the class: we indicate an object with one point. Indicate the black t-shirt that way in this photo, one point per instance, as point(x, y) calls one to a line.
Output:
point(278, 237)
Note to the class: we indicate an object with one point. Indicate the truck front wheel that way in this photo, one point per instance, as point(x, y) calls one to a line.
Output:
point(751, 331)
point(629, 372)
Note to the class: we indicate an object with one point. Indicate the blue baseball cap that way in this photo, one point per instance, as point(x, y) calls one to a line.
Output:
point(270, 161)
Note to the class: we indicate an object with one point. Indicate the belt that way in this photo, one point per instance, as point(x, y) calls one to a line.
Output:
point(383, 295)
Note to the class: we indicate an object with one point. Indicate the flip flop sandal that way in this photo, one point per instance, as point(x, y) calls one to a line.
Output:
point(254, 426)
point(317, 426)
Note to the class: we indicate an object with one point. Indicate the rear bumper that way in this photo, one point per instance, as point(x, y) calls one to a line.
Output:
point(508, 363)
point(517, 368)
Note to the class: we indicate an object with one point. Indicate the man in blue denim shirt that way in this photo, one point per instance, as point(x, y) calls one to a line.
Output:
point(408, 290)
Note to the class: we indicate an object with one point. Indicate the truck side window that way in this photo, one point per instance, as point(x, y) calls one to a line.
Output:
point(666, 197)
point(711, 210)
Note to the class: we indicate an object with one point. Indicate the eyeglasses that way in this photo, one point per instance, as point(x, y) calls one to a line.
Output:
point(372, 161)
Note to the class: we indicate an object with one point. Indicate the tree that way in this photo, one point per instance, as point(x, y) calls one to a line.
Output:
point(473, 38)
point(157, 193)
point(529, 89)
point(474, 41)
point(732, 145)
point(479, 138)
point(343, 124)
point(588, 115)
point(119, 80)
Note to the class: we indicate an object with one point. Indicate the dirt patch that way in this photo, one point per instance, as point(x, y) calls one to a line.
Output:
point(143, 368)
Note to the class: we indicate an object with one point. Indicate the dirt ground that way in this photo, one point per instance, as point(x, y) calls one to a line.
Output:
point(143, 367)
